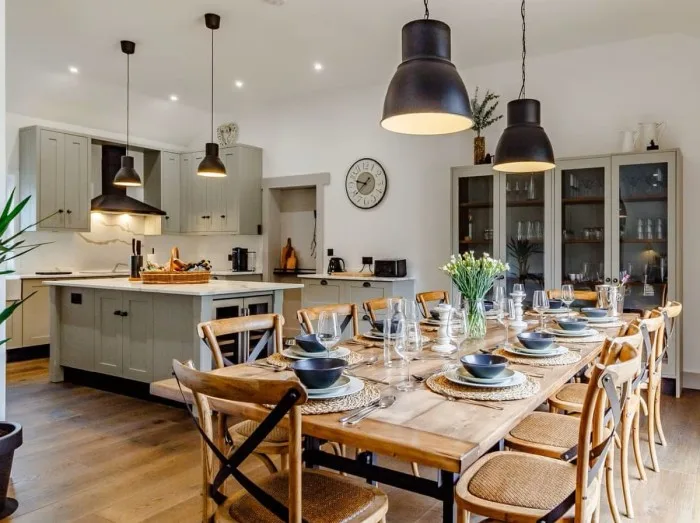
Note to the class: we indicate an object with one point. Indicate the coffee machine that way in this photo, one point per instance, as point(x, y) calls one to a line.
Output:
point(239, 259)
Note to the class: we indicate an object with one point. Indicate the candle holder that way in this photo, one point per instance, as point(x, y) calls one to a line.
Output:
point(518, 298)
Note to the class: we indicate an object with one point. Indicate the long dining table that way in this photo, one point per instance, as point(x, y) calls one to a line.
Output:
point(421, 426)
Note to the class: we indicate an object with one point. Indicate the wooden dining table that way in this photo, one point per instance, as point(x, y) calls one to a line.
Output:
point(421, 426)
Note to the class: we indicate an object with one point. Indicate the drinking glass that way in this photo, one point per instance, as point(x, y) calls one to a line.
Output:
point(457, 326)
point(519, 288)
point(505, 314)
point(567, 296)
point(409, 347)
point(410, 311)
point(394, 321)
point(540, 303)
point(328, 330)
point(499, 295)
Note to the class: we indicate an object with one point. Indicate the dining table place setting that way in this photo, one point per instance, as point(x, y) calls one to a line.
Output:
point(538, 349)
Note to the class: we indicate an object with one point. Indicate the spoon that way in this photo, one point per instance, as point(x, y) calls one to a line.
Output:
point(384, 403)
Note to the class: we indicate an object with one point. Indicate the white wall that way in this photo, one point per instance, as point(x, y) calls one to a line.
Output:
point(587, 96)
point(3, 186)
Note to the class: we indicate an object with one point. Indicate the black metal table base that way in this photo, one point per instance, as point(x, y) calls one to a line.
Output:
point(365, 467)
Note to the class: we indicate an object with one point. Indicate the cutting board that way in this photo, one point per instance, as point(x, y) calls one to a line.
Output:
point(288, 259)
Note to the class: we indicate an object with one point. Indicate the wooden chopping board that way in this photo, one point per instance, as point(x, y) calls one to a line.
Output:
point(288, 259)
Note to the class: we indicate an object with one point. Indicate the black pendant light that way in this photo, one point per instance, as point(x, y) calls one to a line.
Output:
point(127, 175)
point(211, 165)
point(524, 146)
point(426, 96)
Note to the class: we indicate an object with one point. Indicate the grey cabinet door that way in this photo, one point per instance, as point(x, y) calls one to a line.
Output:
point(51, 179)
point(76, 183)
point(199, 218)
point(170, 192)
point(186, 223)
point(229, 217)
point(216, 208)
point(137, 337)
point(321, 292)
point(77, 328)
point(35, 313)
point(108, 332)
point(249, 189)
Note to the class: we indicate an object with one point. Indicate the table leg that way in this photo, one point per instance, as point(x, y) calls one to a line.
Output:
point(446, 484)
point(311, 444)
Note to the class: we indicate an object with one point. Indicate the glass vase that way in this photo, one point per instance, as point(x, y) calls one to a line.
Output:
point(476, 319)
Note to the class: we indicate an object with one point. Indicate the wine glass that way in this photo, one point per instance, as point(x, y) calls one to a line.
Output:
point(519, 288)
point(505, 312)
point(540, 303)
point(408, 345)
point(457, 326)
point(567, 296)
point(328, 330)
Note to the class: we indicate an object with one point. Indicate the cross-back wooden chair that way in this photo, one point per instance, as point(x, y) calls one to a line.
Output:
point(276, 442)
point(311, 495)
point(372, 307)
point(582, 298)
point(346, 311)
point(424, 298)
point(516, 486)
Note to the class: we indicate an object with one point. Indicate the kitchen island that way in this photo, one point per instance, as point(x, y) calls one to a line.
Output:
point(133, 330)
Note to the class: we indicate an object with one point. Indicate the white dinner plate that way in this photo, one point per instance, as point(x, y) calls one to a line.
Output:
point(455, 376)
point(604, 319)
point(355, 385)
point(502, 377)
point(298, 354)
point(521, 351)
point(340, 384)
point(555, 311)
point(572, 334)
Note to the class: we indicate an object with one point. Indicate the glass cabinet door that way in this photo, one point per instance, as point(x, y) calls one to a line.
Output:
point(644, 185)
point(525, 228)
point(582, 217)
point(474, 218)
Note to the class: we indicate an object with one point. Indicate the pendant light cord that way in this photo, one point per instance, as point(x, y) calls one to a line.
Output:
point(427, 10)
point(128, 85)
point(522, 14)
point(212, 86)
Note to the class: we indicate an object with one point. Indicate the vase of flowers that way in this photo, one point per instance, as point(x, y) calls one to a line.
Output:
point(483, 114)
point(474, 278)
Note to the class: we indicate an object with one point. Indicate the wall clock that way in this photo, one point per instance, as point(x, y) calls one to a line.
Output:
point(366, 183)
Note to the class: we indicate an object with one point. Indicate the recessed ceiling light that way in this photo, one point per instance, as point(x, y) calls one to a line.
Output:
point(73, 69)
point(318, 66)
point(173, 98)
point(239, 84)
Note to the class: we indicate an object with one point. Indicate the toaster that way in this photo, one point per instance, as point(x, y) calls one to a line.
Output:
point(391, 268)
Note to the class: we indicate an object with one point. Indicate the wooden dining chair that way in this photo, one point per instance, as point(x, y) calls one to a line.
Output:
point(582, 298)
point(276, 443)
point(516, 486)
point(424, 298)
point(372, 307)
point(292, 495)
point(346, 311)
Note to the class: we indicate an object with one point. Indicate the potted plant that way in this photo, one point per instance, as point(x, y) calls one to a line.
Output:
point(11, 247)
point(483, 113)
point(474, 278)
point(521, 250)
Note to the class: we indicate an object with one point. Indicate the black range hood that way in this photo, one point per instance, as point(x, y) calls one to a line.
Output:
point(113, 198)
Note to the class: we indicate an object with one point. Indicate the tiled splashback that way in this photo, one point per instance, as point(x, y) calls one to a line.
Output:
point(109, 242)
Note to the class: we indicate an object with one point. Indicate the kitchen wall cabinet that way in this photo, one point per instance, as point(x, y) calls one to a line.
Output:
point(170, 192)
point(124, 334)
point(54, 171)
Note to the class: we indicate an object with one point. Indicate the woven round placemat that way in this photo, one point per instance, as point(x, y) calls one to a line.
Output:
point(594, 338)
point(367, 395)
point(278, 360)
point(440, 384)
point(565, 359)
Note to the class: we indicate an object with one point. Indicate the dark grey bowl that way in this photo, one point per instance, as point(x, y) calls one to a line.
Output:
point(536, 340)
point(379, 326)
point(310, 343)
point(318, 373)
point(488, 305)
point(594, 312)
point(573, 324)
point(484, 365)
point(555, 304)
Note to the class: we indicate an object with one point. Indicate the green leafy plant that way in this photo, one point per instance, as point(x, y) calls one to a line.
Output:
point(521, 250)
point(483, 111)
point(13, 247)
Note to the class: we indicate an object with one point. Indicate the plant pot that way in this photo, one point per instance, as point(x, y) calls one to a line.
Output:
point(479, 150)
point(10, 439)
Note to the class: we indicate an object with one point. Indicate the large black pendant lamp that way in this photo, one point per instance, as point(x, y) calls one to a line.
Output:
point(524, 146)
point(426, 96)
point(127, 175)
point(211, 165)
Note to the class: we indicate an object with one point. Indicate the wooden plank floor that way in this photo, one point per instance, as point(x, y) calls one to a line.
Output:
point(94, 457)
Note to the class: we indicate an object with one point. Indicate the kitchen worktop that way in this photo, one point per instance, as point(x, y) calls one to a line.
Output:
point(213, 288)
point(352, 276)
point(107, 274)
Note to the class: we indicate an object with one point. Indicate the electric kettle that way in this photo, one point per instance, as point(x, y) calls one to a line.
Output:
point(336, 265)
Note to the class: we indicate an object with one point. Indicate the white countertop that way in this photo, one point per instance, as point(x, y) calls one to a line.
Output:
point(369, 277)
point(213, 288)
point(105, 274)
point(236, 273)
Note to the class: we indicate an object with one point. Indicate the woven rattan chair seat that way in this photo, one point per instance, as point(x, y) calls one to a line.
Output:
point(245, 428)
point(544, 428)
point(572, 393)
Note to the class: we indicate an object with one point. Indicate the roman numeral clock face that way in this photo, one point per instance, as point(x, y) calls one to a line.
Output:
point(366, 183)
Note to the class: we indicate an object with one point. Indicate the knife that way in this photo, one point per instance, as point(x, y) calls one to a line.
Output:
point(133, 246)
point(138, 247)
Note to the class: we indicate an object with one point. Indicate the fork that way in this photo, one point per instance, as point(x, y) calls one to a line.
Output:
point(471, 402)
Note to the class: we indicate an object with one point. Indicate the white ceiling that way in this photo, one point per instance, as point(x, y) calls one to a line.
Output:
point(272, 48)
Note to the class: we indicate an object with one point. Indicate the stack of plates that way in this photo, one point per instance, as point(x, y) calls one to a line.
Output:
point(345, 386)
point(572, 334)
point(296, 353)
point(555, 311)
point(554, 350)
point(603, 320)
point(507, 378)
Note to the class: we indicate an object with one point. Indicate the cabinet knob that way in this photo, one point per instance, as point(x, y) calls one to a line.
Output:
point(124, 314)
point(366, 284)
point(167, 217)
point(607, 280)
point(117, 313)
point(69, 211)
point(223, 216)
point(204, 217)
point(60, 211)
point(614, 280)
point(324, 282)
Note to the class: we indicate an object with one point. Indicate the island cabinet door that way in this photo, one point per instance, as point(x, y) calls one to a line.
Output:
point(108, 332)
point(137, 332)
